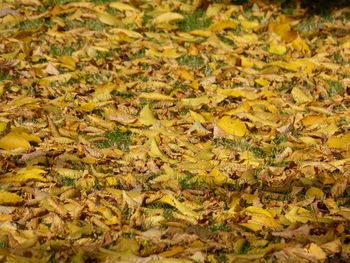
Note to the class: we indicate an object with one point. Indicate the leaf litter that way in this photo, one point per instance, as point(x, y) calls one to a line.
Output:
point(173, 132)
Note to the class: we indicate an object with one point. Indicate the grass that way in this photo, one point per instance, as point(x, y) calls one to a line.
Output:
point(94, 78)
point(122, 94)
point(185, 183)
point(159, 205)
point(258, 153)
point(116, 138)
point(221, 257)
point(102, 1)
point(35, 23)
point(49, 3)
point(207, 70)
point(196, 20)
point(5, 76)
point(92, 24)
point(280, 139)
point(67, 181)
point(308, 26)
point(191, 61)
point(276, 164)
point(139, 54)
point(219, 227)
point(335, 87)
point(178, 86)
point(146, 17)
point(338, 58)
point(232, 145)
point(63, 51)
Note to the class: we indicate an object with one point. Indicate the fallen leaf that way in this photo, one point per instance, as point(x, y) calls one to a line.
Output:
point(167, 17)
point(233, 126)
point(9, 198)
point(300, 96)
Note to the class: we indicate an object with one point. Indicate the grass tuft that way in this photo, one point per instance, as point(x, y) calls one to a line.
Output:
point(191, 61)
point(116, 138)
point(196, 20)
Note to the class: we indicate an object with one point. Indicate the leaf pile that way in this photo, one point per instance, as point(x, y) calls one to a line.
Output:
point(157, 131)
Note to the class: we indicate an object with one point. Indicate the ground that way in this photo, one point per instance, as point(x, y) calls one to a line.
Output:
point(172, 131)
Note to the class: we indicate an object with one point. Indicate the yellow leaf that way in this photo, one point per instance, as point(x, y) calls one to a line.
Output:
point(298, 214)
point(339, 142)
point(3, 126)
point(108, 19)
point(330, 203)
point(172, 252)
point(246, 63)
point(284, 31)
point(168, 53)
point(61, 78)
point(262, 217)
point(262, 82)
point(307, 66)
point(197, 116)
point(103, 92)
point(299, 96)
point(276, 48)
point(122, 7)
point(264, 221)
point(240, 92)
point(314, 191)
point(215, 178)
point(250, 37)
point(129, 33)
point(167, 17)
point(146, 116)
point(9, 198)
point(248, 25)
point(184, 74)
point(300, 45)
point(232, 126)
point(308, 140)
point(249, 159)
point(157, 153)
point(242, 108)
point(213, 10)
point(170, 200)
point(68, 62)
point(18, 139)
point(100, 122)
point(87, 106)
point(270, 107)
point(12, 141)
point(330, 129)
point(252, 226)
point(128, 247)
point(334, 246)
point(313, 119)
point(25, 174)
point(2, 88)
point(195, 102)
point(197, 126)
point(202, 33)
point(198, 165)
point(258, 210)
point(155, 96)
point(23, 101)
point(65, 172)
point(222, 25)
point(263, 120)
point(317, 252)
